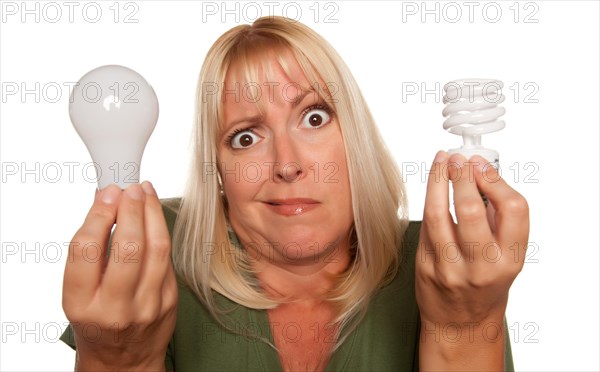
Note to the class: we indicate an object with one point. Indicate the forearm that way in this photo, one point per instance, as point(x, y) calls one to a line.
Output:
point(462, 347)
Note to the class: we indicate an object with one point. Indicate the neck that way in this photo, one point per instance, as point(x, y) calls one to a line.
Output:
point(306, 280)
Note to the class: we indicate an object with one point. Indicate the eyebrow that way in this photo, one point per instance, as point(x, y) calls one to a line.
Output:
point(301, 97)
point(257, 118)
point(252, 119)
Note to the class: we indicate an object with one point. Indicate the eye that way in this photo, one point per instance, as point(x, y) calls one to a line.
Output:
point(316, 117)
point(243, 139)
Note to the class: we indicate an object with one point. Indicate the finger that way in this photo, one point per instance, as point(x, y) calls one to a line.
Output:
point(157, 250)
point(85, 263)
point(127, 247)
point(490, 212)
point(473, 229)
point(436, 215)
point(511, 209)
point(170, 293)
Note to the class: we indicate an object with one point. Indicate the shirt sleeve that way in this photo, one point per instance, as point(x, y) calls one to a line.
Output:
point(169, 363)
point(508, 359)
point(68, 337)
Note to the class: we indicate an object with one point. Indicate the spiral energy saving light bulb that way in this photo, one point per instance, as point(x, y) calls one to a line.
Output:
point(471, 111)
point(114, 110)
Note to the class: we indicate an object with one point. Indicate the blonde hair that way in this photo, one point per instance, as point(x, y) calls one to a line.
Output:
point(205, 256)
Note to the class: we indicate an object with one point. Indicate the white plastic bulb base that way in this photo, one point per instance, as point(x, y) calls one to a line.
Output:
point(490, 155)
point(114, 110)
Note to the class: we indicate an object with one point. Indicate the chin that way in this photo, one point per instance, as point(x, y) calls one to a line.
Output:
point(307, 244)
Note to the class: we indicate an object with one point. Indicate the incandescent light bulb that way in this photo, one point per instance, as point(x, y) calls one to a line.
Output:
point(114, 110)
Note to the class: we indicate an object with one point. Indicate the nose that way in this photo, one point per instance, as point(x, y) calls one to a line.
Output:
point(288, 172)
point(288, 161)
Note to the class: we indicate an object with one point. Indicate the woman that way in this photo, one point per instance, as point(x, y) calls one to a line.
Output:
point(292, 243)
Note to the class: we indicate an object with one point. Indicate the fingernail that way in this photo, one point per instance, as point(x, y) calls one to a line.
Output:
point(148, 188)
point(489, 171)
point(440, 156)
point(109, 194)
point(458, 159)
point(135, 192)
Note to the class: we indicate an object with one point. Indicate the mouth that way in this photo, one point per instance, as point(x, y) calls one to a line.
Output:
point(292, 206)
point(291, 201)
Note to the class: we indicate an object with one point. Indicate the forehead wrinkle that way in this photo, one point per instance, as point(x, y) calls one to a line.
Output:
point(260, 70)
point(258, 64)
point(238, 74)
point(254, 68)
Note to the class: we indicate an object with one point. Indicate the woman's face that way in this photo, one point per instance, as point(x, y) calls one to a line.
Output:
point(284, 171)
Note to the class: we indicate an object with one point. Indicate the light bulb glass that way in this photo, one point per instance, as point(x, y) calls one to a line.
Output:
point(114, 110)
point(471, 111)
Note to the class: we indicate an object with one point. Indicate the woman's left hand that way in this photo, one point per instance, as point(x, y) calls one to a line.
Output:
point(464, 270)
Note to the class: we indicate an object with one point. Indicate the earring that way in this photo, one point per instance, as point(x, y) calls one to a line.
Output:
point(220, 184)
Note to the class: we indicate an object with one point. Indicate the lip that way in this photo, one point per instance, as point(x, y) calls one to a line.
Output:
point(291, 206)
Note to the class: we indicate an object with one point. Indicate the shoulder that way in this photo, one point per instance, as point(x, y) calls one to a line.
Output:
point(410, 242)
point(171, 208)
point(396, 301)
point(411, 235)
point(387, 337)
point(408, 249)
point(399, 293)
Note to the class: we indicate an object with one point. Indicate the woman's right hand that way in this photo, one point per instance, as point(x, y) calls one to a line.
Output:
point(122, 307)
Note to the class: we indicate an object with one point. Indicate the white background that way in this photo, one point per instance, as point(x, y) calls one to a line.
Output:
point(547, 52)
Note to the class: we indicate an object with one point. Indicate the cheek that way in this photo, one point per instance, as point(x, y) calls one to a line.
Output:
point(244, 177)
point(239, 181)
point(328, 160)
point(335, 170)
point(239, 197)
point(335, 175)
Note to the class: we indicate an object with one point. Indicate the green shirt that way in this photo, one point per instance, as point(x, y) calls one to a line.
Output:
point(386, 339)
